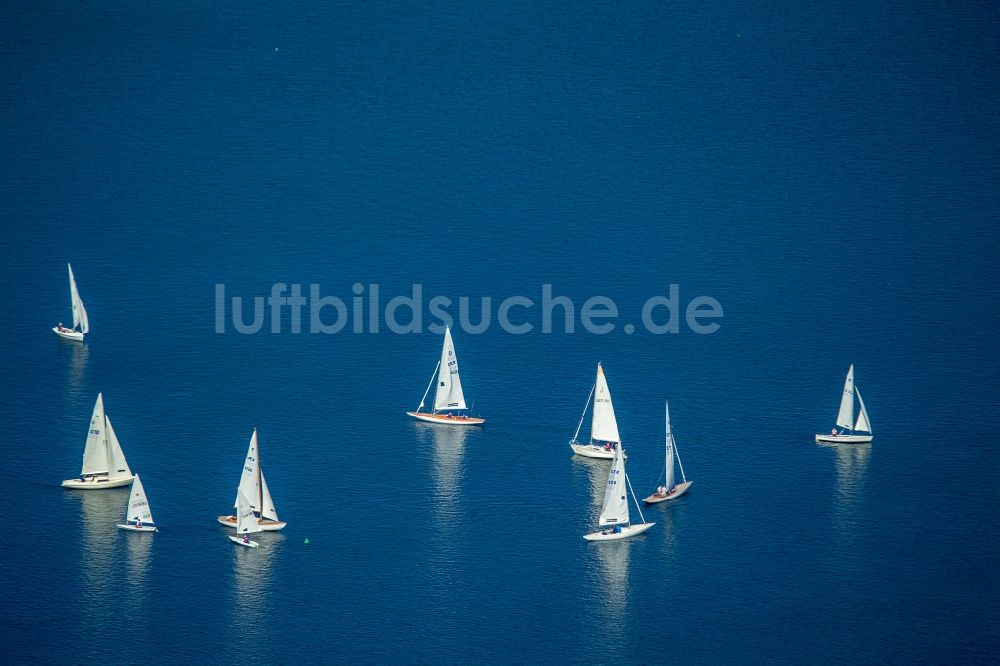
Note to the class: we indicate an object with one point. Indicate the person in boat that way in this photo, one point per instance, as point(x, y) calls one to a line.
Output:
point(833, 432)
point(607, 446)
point(138, 523)
point(246, 538)
point(661, 491)
point(617, 529)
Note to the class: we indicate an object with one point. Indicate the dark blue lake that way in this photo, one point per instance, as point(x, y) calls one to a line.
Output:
point(826, 175)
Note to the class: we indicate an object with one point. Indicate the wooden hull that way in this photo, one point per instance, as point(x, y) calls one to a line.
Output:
point(678, 490)
point(845, 439)
point(96, 483)
point(136, 528)
point(450, 419)
point(594, 451)
point(266, 524)
point(241, 542)
point(627, 531)
point(68, 334)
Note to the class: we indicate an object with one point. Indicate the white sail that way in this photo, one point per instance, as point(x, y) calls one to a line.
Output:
point(669, 480)
point(862, 424)
point(615, 508)
point(95, 453)
point(603, 425)
point(845, 417)
point(246, 521)
point(79, 312)
point(449, 390)
point(269, 511)
point(248, 478)
point(138, 506)
point(116, 456)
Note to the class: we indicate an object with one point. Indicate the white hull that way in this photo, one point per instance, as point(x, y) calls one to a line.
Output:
point(246, 544)
point(678, 490)
point(95, 483)
point(450, 419)
point(266, 525)
point(594, 451)
point(68, 334)
point(136, 528)
point(627, 531)
point(845, 439)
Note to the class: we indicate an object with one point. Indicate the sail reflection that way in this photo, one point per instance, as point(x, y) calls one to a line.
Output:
point(851, 467)
point(597, 471)
point(613, 571)
point(138, 547)
point(100, 510)
point(79, 356)
point(251, 587)
point(447, 455)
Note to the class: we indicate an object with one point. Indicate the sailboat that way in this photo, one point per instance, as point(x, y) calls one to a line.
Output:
point(246, 521)
point(845, 417)
point(449, 395)
point(604, 438)
point(81, 325)
point(614, 512)
point(670, 490)
point(138, 516)
point(253, 485)
point(104, 463)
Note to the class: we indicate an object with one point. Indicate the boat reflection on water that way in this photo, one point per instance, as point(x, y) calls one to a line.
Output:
point(75, 385)
point(100, 510)
point(138, 548)
point(612, 558)
point(848, 513)
point(597, 471)
point(252, 574)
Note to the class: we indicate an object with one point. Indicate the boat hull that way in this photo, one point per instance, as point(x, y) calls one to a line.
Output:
point(450, 419)
point(845, 439)
point(137, 528)
point(241, 542)
point(266, 524)
point(594, 451)
point(627, 531)
point(678, 490)
point(94, 483)
point(68, 334)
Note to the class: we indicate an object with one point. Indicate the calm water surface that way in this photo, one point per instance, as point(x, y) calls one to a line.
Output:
point(827, 174)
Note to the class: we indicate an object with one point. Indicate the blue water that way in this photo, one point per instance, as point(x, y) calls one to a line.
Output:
point(827, 174)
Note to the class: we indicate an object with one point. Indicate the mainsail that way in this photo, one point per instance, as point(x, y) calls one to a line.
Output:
point(603, 425)
point(246, 522)
point(138, 507)
point(79, 312)
point(95, 453)
point(845, 417)
point(248, 477)
point(449, 390)
point(615, 508)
